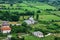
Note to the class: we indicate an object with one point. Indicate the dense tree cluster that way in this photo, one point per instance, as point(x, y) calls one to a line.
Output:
point(24, 28)
point(13, 16)
point(9, 16)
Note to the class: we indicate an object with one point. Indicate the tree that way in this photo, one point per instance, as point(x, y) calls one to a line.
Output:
point(20, 1)
point(59, 9)
point(13, 38)
point(57, 38)
point(11, 2)
point(27, 28)
point(37, 15)
point(18, 29)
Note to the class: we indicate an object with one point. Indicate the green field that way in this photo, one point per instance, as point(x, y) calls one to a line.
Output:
point(48, 17)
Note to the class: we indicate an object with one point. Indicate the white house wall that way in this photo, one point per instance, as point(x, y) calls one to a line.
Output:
point(6, 31)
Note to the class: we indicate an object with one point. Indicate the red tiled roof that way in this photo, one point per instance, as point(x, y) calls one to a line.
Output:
point(5, 28)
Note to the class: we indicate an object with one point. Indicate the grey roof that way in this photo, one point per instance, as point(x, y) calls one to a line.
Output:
point(30, 21)
point(5, 23)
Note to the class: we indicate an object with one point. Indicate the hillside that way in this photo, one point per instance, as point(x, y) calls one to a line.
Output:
point(30, 19)
point(55, 3)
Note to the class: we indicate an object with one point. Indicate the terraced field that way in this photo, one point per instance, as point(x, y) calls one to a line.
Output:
point(29, 6)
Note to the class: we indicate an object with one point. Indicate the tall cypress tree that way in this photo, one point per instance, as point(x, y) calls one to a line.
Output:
point(37, 15)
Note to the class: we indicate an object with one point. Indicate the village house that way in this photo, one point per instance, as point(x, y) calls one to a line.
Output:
point(30, 21)
point(5, 28)
point(38, 34)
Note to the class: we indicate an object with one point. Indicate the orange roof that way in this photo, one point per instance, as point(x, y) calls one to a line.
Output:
point(5, 28)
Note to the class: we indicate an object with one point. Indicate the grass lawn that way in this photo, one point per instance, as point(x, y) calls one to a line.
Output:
point(57, 34)
point(56, 12)
point(20, 11)
point(41, 5)
point(30, 8)
point(30, 37)
point(58, 23)
point(44, 7)
point(48, 17)
point(38, 25)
